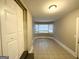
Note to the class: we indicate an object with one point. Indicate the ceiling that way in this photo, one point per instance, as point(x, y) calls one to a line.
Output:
point(39, 9)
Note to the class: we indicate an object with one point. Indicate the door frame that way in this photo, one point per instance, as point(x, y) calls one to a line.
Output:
point(77, 36)
point(20, 4)
point(24, 20)
point(1, 49)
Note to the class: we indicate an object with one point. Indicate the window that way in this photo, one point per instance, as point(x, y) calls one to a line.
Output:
point(44, 28)
point(36, 28)
point(51, 28)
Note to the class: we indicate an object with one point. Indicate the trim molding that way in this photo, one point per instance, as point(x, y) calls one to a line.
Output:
point(24, 55)
point(31, 50)
point(20, 4)
point(77, 35)
point(62, 45)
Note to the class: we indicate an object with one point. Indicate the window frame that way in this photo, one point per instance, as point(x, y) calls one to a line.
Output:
point(44, 24)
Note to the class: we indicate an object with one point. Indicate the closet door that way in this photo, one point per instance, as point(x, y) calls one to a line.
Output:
point(12, 32)
point(10, 46)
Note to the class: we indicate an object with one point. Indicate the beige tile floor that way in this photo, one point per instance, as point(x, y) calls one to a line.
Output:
point(49, 49)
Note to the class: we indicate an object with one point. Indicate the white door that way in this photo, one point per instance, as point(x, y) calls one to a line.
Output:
point(10, 34)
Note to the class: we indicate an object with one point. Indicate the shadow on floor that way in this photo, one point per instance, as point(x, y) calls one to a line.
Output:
point(27, 55)
point(30, 56)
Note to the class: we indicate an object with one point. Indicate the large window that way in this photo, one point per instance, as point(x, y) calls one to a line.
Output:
point(43, 28)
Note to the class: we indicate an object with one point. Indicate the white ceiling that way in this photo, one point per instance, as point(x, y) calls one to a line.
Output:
point(39, 8)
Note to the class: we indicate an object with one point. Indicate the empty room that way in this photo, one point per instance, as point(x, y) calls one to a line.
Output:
point(39, 29)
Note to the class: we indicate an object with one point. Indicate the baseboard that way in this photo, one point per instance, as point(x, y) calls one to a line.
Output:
point(31, 50)
point(64, 46)
point(24, 55)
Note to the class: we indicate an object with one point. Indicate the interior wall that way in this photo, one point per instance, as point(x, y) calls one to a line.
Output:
point(65, 29)
point(29, 30)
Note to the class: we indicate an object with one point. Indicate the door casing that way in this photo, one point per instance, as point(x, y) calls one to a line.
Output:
point(77, 37)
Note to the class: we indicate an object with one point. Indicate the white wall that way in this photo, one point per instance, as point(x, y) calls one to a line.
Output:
point(29, 30)
point(65, 29)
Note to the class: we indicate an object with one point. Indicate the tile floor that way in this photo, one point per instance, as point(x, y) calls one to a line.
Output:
point(49, 49)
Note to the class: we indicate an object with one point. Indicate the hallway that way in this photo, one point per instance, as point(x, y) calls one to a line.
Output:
point(49, 49)
point(21, 21)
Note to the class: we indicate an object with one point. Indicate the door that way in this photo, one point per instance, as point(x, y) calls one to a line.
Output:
point(12, 32)
point(10, 35)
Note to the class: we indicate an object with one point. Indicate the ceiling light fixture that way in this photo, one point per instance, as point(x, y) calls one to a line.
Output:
point(52, 8)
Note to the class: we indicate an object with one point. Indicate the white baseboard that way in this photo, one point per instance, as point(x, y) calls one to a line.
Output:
point(31, 50)
point(64, 46)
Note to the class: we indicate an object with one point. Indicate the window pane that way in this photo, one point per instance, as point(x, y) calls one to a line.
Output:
point(51, 28)
point(36, 28)
point(43, 28)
